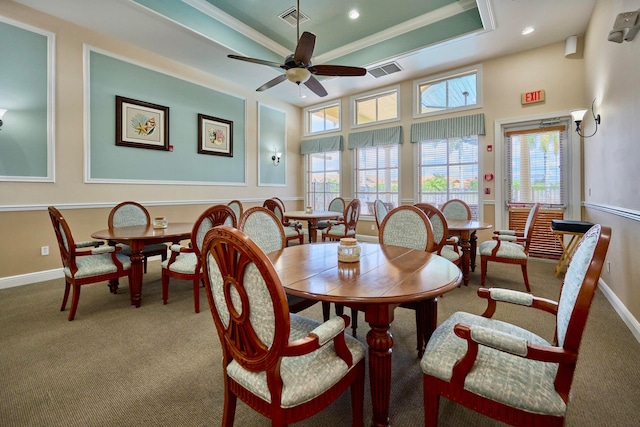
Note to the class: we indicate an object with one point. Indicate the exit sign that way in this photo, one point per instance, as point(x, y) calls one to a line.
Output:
point(532, 97)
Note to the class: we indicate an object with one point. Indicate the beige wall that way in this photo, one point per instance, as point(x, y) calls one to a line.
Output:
point(86, 206)
point(612, 156)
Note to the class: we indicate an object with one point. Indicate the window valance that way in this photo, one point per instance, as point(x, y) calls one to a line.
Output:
point(372, 138)
point(452, 127)
point(321, 145)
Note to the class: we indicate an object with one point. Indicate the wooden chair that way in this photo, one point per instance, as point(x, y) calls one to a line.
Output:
point(409, 227)
point(86, 262)
point(185, 262)
point(337, 204)
point(292, 230)
point(263, 227)
point(131, 213)
point(510, 247)
point(459, 209)
point(443, 246)
point(506, 372)
point(284, 366)
point(345, 227)
point(380, 210)
point(237, 207)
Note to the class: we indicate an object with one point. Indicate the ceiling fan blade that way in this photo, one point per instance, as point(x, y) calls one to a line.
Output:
point(315, 86)
point(272, 83)
point(256, 61)
point(304, 49)
point(337, 70)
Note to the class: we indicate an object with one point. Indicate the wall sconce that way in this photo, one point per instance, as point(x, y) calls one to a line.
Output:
point(276, 158)
point(625, 27)
point(2, 111)
point(578, 115)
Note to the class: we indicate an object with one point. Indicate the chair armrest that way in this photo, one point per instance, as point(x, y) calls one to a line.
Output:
point(493, 295)
point(331, 330)
point(505, 238)
point(505, 232)
point(476, 335)
point(105, 250)
point(89, 243)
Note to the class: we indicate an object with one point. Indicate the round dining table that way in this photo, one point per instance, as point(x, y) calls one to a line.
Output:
point(312, 219)
point(137, 237)
point(466, 229)
point(384, 278)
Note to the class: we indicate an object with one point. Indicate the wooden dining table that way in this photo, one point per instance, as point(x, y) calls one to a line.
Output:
point(466, 229)
point(137, 237)
point(312, 219)
point(383, 279)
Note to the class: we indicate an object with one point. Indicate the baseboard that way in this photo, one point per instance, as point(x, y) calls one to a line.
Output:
point(626, 316)
point(26, 279)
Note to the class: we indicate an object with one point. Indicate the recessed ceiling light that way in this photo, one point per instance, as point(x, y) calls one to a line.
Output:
point(527, 30)
point(354, 14)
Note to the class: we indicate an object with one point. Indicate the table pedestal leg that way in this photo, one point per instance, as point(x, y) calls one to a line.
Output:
point(135, 280)
point(380, 342)
point(466, 255)
point(313, 230)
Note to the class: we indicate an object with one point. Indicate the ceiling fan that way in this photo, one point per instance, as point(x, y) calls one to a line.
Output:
point(298, 67)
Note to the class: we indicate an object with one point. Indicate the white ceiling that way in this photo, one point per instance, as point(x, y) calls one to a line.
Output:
point(503, 20)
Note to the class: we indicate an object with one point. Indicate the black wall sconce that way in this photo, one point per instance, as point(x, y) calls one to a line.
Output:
point(578, 115)
point(276, 158)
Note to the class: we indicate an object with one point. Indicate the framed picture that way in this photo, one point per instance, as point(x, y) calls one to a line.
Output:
point(215, 136)
point(141, 124)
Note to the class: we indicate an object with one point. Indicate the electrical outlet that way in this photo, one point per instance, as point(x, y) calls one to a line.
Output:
point(608, 266)
point(44, 250)
point(373, 227)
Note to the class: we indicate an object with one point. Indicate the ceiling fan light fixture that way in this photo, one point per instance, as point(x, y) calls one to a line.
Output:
point(298, 75)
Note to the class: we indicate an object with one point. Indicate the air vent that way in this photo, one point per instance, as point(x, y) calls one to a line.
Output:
point(290, 16)
point(385, 69)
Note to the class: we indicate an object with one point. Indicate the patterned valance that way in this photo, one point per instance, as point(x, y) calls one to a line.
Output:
point(321, 145)
point(453, 127)
point(371, 138)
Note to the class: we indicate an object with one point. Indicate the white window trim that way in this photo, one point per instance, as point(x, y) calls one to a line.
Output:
point(354, 98)
point(306, 111)
point(446, 76)
point(574, 167)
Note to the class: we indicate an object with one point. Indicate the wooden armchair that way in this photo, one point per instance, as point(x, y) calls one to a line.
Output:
point(292, 230)
point(459, 209)
point(443, 245)
point(86, 262)
point(337, 204)
point(132, 213)
point(237, 207)
point(346, 227)
point(510, 247)
point(184, 263)
point(284, 366)
point(506, 372)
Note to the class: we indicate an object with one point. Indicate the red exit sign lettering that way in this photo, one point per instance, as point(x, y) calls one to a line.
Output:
point(532, 97)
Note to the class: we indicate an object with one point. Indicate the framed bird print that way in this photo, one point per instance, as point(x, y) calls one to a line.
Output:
point(141, 124)
point(215, 136)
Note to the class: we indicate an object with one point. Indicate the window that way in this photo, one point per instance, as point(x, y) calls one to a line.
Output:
point(324, 118)
point(444, 93)
point(535, 163)
point(376, 107)
point(323, 179)
point(448, 169)
point(377, 176)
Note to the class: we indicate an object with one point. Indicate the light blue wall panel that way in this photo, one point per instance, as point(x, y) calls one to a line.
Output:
point(272, 136)
point(111, 77)
point(23, 92)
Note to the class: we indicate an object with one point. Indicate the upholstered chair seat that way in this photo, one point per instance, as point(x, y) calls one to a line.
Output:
point(98, 264)
point(506, 249)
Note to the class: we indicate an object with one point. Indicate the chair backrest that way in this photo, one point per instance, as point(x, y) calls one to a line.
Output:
point(438, 222)
point(279, 200)
point(456, 209)
point(276, 207)
point(212, 217)
point(247, 299)
point(407, 226)
point(237, 207)
point(576, 295)
point(264, 228)
point(380, 211)
point(65, 239)
point(529, 225)
point(337, 205)
point(127, 214)
point(351, 215)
